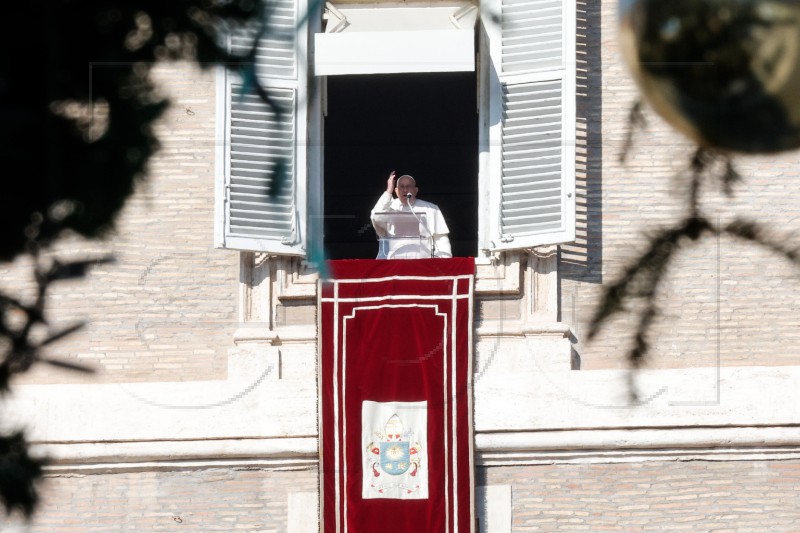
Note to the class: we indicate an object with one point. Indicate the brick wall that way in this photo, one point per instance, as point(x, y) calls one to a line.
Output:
point(197, 501)
point(729, 496)
point(734, 496)
point(722, 298)
point(166, 310)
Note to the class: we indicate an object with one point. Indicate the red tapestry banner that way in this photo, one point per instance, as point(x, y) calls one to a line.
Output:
point(396, 396)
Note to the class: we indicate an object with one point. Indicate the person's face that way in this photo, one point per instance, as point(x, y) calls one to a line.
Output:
point(405, 186)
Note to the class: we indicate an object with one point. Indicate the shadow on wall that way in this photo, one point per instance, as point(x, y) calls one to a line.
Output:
point(583, 259)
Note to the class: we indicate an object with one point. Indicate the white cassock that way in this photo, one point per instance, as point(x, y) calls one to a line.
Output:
point(433, 215)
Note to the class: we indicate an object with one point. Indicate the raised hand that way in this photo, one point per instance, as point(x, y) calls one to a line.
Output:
point(390, 183)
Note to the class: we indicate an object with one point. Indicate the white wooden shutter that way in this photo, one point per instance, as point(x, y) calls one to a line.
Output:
point(261, 191)
point(528, 169)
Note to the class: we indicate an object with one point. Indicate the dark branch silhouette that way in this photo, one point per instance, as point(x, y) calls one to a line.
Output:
point(641, 279)
point(77, 113)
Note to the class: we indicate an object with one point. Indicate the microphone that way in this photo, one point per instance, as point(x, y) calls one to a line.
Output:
point(433, 246)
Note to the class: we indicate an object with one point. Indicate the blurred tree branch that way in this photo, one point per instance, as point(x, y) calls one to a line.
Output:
point(77, 114)
point(641, 279)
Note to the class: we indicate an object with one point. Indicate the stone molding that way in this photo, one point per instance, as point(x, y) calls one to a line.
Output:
point(492, 449)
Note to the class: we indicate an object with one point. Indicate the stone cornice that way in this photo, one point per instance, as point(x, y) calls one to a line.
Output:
point(492, 449)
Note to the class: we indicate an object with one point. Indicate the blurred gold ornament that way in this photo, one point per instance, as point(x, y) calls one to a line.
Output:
point(724, 72)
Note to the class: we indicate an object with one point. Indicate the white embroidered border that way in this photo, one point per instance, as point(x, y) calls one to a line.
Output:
point(455, 297)
point(344, 383)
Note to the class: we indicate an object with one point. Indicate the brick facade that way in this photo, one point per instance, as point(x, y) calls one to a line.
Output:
point(167, 308)
point(712, 496)
point(230, 499)
point(730, 496)
point(722, 299)
point(167, 311)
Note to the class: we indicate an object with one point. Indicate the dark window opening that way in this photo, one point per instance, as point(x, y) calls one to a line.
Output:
point(425, 125)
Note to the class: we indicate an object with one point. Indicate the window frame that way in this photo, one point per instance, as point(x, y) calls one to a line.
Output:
point(309, 143)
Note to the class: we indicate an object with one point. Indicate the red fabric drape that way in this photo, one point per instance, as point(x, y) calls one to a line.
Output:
point(395, 334)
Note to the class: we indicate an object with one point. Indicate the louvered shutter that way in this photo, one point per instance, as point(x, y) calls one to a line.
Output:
point(530, 168)
point(261, 189)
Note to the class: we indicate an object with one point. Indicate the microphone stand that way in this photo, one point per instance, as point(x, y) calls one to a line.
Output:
point(433, 244)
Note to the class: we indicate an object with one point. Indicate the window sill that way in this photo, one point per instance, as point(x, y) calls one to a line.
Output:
point(260, 333)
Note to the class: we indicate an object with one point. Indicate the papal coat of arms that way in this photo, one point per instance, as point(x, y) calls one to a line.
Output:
point(395, 458)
